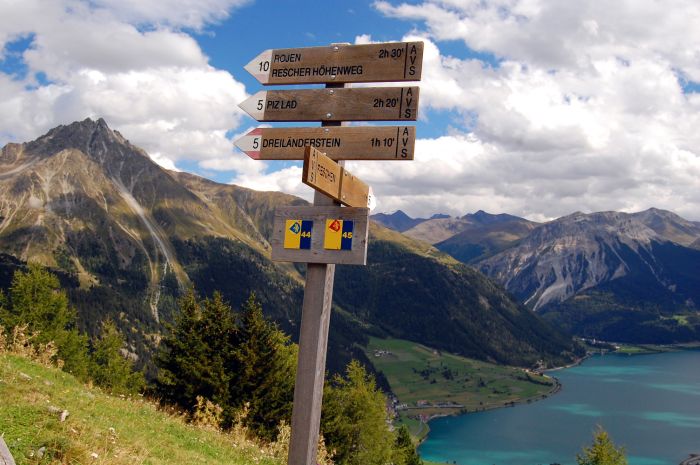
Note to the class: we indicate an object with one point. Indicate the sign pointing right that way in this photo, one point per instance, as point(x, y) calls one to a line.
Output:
point(326, 176)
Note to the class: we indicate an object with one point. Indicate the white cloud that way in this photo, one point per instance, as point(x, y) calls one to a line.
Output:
point(285, 180)
point(153, 84)
point(584, 110)
point(579, 108)
point(178, 13)
point(555, 34)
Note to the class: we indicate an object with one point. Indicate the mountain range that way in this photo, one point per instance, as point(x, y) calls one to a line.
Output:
point(628, 277)
point(127, 237)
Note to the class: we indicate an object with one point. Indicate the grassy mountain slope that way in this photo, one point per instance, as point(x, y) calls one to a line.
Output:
point(469, 238)
point(446, 305)
point(421, 374)
point(483, 241)
point(118, 430)
point(128, 236)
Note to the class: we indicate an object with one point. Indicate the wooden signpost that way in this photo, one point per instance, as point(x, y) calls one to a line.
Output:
point(361, 104)
point(339, 63)
point(326, 234)
point(338, 143)
point(328, 177)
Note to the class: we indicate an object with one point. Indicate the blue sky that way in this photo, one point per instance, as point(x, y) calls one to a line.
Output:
point(537, 108)
point(308, 24)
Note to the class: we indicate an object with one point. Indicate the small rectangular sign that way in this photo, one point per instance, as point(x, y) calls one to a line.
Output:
point(390, 61)
point(329, 178)
point(297, 234)
point(338, 143)
point(322, 173)
point(344, 104)
point(337, 234)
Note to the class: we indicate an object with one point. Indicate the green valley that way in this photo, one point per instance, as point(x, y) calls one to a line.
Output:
point(429, 383)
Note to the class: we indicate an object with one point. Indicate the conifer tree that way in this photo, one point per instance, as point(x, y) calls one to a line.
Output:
point(354, 417)
point(194, 357)
point(111, 369)
point(36, 298)
point(602, 451)
point(404, 450)
point(265, 367)
point(3, 303)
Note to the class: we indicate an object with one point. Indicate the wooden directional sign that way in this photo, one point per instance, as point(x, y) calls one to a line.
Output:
point(320, 235)
point(323, 174)
point(338, 143)
point(397, 61)
point(326, 176)
point(353, 104)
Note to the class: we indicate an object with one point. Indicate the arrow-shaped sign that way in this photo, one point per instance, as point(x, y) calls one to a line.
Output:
point(339, 142)
point(352, 104)
point(326, 176)
point(394, 61)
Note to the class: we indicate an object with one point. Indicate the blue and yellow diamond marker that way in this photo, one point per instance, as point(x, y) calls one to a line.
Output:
point(297, 234)
point(338, 234)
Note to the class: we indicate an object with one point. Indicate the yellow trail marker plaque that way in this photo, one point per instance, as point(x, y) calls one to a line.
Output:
point(338, 234)
point(297, 234)
point(335, 235)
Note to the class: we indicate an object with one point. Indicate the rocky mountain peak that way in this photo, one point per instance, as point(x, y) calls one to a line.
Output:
point(92, 137)
point(579, 251)
point(485, 218)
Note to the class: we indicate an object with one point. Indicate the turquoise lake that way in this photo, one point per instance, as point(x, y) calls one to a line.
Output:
point(648, 403)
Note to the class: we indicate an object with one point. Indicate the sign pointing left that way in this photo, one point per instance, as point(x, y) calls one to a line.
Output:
point(339, 142)
point(351, 104)
point(393, 61)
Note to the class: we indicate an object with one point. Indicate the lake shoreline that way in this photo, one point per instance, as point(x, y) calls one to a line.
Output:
point(528, 400)
point(657, 391)
point(650, 349)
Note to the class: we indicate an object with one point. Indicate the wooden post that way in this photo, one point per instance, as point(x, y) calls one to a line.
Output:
point(313, 341)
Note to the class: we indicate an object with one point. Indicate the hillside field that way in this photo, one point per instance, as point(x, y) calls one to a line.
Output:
point(430, 382)
point(119, 431)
